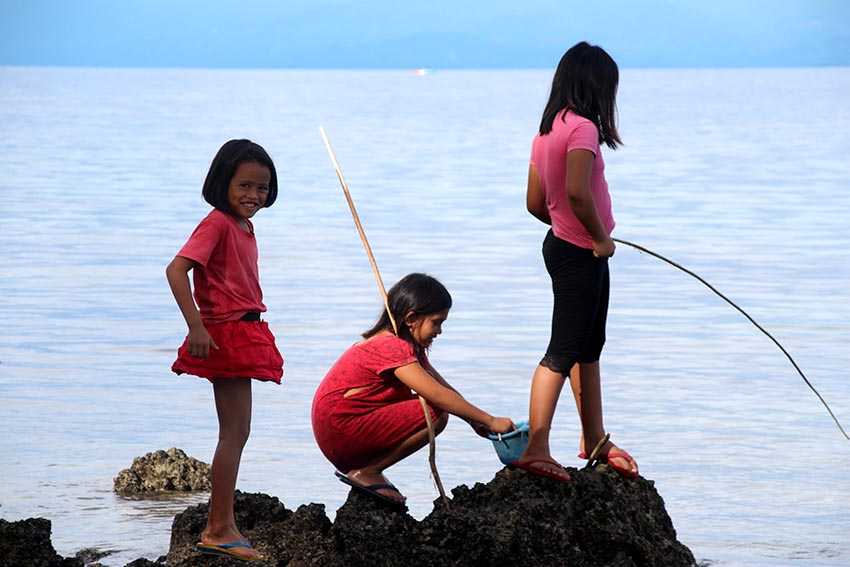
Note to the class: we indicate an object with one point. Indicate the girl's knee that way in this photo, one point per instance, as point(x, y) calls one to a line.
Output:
point(236, 435)
point(441, 422)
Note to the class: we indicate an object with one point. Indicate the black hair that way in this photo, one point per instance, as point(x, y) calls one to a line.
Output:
point(586, 82)
point(224, 166)
point(420, 293)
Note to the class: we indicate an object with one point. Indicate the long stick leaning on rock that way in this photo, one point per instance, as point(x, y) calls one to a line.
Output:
point(431, 436)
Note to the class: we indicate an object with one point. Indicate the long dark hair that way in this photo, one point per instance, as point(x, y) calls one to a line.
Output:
point(586, 82)
point(224, 166)
point(420, 293)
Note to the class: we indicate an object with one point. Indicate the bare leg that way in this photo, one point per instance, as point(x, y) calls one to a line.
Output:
point(546, 388)
point(233, 405)
point(373, 473)
point(586, 383)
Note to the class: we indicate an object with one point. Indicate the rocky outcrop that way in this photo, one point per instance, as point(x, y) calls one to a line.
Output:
point(26, 543)
point(163, 471)
point(599, 518)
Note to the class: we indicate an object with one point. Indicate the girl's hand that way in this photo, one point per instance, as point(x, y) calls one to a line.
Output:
point(604, 248)
point(199, 342)
point(501, 425)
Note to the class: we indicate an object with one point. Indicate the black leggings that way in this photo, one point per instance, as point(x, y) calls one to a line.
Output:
point(581, 287)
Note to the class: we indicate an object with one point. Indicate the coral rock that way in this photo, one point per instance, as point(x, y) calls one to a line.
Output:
point(162, 471)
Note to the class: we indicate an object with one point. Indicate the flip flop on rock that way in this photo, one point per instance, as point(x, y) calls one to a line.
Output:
point(612, 454)
point(372, 489)
point(226, 549)
point(526, 466)
point(621, 454)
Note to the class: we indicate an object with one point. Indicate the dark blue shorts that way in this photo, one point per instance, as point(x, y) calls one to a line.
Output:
point(581, 287)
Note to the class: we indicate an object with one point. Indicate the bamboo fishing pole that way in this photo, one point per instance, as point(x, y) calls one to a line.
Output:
point(432, 445)
point(747, 315)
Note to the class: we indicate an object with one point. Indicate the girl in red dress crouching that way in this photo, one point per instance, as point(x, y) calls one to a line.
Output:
point(366, 416)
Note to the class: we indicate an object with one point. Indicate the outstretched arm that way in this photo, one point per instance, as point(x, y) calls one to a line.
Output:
point(418, 379)
point(480, 428)
point(199, 340)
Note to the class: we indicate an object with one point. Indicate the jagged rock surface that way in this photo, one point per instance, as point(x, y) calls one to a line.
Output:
point(599, 518)
point(162, 471)
point(26, 543)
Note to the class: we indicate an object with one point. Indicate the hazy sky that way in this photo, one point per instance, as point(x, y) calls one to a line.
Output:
point(424, 33)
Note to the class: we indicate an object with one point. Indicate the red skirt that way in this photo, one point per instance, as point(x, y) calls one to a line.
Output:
point(352, 432)
point(246, 349)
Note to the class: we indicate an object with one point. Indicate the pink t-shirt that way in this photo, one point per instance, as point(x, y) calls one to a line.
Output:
point(227, 282)
point(549, 156)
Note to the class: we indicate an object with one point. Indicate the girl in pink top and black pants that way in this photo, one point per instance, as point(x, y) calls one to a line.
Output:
point(567, 190)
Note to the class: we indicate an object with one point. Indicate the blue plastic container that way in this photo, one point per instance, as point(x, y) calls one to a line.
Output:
point(509, 446)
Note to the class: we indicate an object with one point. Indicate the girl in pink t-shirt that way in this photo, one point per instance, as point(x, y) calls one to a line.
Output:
point(227, 342)
point(567, 190)
point(366, 412)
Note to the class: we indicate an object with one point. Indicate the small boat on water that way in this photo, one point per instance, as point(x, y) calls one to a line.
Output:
point(423, 71)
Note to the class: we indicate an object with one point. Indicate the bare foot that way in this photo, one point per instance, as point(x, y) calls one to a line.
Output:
point(366, 479)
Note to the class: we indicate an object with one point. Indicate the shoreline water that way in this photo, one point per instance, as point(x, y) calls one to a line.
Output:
point(102, 173)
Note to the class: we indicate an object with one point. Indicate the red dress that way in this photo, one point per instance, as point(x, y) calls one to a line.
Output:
point(226, 287)
point(354, 431)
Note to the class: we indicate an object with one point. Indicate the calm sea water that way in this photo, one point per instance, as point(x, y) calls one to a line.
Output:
point(740, 175)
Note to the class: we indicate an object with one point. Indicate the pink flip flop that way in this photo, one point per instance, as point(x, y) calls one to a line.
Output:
point(621, 454)
point(612, 454)
point(526, 466)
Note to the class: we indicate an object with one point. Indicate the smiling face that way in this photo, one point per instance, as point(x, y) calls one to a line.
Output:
point(425, 328)
point(248, 189)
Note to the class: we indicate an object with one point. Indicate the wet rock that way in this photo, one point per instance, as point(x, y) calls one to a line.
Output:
point(91, 557)
point(26, 543)
point(599, 518)
point(147, 563)
point(162, 471)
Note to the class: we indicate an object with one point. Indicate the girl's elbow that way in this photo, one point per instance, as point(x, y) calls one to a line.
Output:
point(576, 201)
point(536, 209)
point(171, 271)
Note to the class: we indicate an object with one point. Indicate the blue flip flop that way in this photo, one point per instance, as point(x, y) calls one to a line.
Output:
point(372, 489)
point(226, 549)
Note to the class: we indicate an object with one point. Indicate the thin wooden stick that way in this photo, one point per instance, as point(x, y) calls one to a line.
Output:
point(745, 314)
point(431, 435)
point(598, 449)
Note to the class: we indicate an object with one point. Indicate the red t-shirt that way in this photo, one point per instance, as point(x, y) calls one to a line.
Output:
point(369, 365)
point(227, 281)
